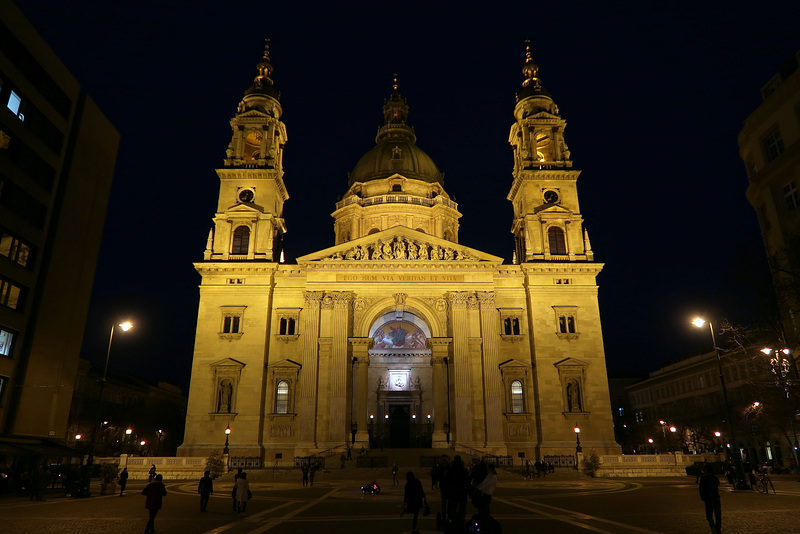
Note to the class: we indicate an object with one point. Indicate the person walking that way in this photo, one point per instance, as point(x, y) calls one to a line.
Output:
point(242, 493)
point(154, 492)
point(709, 494)
point(485, 490)
point(205, 488)
point(311, 473)
point(413, 499)
point(395, 470)
point(233, 491)
point(456, 488)
point(151, 473)
point(123, 481)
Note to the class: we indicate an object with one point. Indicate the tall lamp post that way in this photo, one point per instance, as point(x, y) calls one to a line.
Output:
point(741, 483)
point(83, 491)
point(578, 449)
point(226, 451)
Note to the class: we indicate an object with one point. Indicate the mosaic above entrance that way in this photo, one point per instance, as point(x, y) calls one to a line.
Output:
point(399, 335)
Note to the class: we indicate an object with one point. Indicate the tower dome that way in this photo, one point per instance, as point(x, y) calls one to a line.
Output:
point(396, 151)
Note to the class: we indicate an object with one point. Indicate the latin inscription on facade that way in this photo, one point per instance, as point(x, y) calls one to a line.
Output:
point(399, 277)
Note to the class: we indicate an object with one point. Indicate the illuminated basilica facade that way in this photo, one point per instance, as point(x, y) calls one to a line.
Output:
point(398, 335)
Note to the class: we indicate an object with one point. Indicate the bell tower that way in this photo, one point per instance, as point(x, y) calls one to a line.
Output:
point(548, 225)
point(249, 221)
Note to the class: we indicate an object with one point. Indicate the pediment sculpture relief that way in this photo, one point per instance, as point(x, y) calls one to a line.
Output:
point(401, 248)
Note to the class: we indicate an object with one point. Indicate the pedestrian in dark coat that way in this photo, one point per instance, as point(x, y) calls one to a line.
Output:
point(123, 481)
point(233, 491)
point(456, 488)
point(154, 492)
point(709, 494)
point(304, 471)
point(413, 499)
point(205, 488)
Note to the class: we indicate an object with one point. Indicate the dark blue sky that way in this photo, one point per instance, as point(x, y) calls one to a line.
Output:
point(654, 97)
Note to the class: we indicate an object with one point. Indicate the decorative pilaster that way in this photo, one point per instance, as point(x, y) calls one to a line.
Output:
point(307, 404)
point(492, 381)
point(360, 413)
point(461, 420)
point(440, 347)
point(337, 408)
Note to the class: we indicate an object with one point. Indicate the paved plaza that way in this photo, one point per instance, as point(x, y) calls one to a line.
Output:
point(564, 502)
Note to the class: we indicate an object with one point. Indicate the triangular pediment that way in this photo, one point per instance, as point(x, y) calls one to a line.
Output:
point(570, 362)
point(285, 364)
point(514, 363)
point(245, 209)
point(552, 209)
point(399, 244)
point(228, 362)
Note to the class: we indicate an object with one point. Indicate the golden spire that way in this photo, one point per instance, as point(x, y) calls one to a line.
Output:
point(394, 83)
point(264, 67)
point(530, 70)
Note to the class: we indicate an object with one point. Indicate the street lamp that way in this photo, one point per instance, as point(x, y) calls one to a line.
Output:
point(578, 448)
point(741, 483)
point(127, 325)
point(159, 435)
point(227, 450)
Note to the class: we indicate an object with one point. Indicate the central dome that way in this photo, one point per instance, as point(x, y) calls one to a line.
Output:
point(396, 151)
point(396, 157)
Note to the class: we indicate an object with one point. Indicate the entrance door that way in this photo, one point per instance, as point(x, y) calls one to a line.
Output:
point(400, 425)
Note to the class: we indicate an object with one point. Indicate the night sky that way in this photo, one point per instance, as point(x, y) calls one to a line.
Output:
point(654, 97)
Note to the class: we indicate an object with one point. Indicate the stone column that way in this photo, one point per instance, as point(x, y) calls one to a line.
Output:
point(439, 351)
point(492, 381)
point(307, 385)
point(361, 390)
point(461, 420)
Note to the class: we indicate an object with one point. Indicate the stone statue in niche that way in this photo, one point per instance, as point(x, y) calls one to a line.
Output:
point(225, 396)
point(400, 249)
point(573, 396)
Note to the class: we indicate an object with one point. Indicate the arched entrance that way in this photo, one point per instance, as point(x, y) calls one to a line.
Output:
point(400, 400)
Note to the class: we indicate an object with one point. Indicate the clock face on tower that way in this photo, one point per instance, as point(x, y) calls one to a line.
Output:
point(550, 197)
point(246, 195)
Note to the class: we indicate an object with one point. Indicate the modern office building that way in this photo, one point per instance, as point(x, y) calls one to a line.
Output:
point(397, 334)
point(57, 156)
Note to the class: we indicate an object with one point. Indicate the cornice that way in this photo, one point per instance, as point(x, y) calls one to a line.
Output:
point(239, 173)
point(562, 268)
point(528, 175)
point(239, 267)
point(409, 265)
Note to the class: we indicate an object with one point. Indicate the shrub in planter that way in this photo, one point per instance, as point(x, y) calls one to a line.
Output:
point(109, 474)
point(216, 464)
point(591, 464)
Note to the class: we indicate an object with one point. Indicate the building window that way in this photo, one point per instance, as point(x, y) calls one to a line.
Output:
point(16, 105)
point(232, 322)
point(288, 323)
point(241, 240)
point(555, 236)
point(6, 340)
point(282, 397)
point(511, 327)
point(14, 249)
point(566, 324)
point(566, 318)
point(236, 280)
point(10, 295)
point(790, 196)
point(517, 397)
point(773, 144)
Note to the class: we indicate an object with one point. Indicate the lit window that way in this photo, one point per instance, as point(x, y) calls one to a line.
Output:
point(555, 237)
point(517, 397)
point(14, 104)
point(282, 397)
point(9, 294)
point(14, 249)
point(6, 339)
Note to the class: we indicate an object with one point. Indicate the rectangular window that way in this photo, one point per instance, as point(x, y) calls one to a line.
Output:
point(773, 144)
point(790, 196)
point(14, 249)
point(14, 103)
point(6, 340)
point(231, 324)
point(10, 294)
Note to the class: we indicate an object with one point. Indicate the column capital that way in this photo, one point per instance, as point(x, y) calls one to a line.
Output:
point(313, 298)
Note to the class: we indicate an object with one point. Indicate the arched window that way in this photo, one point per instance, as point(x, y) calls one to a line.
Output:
point(517, 397)
point(241, 240)
point(555, 236)
point(373, 231)
point(282, 397)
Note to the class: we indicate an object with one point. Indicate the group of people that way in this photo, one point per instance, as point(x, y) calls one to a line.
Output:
point(457, 484)
point(538, 468)
point(308, 471)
